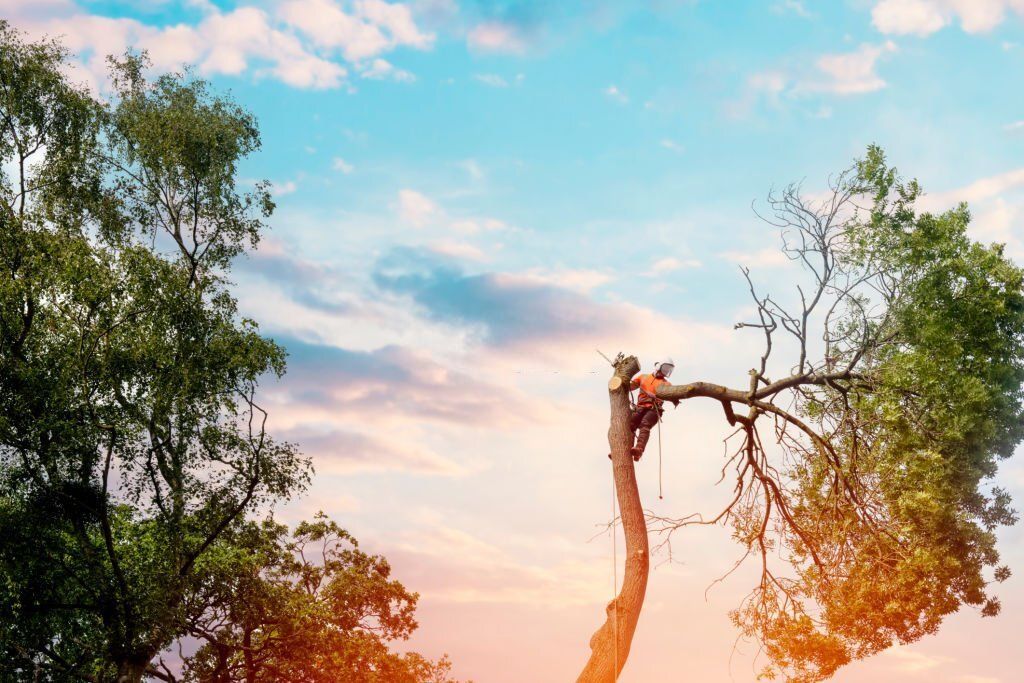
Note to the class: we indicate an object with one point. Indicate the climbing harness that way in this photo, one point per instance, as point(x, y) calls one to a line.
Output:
point(661, 412)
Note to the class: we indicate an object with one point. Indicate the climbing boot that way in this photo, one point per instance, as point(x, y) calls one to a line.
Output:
point(642, 435)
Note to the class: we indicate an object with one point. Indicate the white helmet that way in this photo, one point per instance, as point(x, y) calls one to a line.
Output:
point(666, 366)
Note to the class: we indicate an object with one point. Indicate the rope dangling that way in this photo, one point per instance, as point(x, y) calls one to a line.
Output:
point(660, 496)
point(615, 581)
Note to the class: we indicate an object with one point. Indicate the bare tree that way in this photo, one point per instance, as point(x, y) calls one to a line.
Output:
point(862, 441)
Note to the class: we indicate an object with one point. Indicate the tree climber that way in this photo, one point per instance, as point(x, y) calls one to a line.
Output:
point(648, 406)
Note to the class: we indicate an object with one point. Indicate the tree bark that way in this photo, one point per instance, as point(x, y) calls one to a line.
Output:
point(131, 670)
point(610, 644)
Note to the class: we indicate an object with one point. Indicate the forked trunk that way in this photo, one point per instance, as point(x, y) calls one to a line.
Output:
point(610, 644)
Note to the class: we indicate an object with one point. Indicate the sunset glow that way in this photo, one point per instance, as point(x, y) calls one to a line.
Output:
point(477, 199)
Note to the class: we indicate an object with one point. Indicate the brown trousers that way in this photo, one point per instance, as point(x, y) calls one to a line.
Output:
point(642, 421)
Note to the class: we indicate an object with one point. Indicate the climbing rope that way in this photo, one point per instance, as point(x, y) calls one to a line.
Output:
point(615, 582)
point(615, 545)
point(660, 497)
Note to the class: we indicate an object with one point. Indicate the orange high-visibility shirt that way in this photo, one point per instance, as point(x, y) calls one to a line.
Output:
point(648, 385)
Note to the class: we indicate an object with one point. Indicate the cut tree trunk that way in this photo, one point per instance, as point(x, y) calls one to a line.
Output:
point(610, 644)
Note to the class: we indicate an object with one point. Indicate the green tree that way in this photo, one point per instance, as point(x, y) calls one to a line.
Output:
point(133, 454)
point(307, 607)
point(888, 391)
point(131, 443)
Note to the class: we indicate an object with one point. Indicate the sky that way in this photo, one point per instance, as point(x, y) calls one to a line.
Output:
point(473, 196)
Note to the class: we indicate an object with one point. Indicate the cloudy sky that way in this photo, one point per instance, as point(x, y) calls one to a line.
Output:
point(475, 195)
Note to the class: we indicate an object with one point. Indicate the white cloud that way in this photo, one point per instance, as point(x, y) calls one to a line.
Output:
point(416, 208)
point(339, 164)
point(309, 503)
point(20, 9)
point(297, 44)
point(671, 145)
point(912, 661)
point(771, 82)
point(997, 208)
point(670, 263)
point(769, 85)
point(281, 189)
point(493, 80)
point(576, 279)
point(339, 451)
point(995, 223)
point(458, 250)
point(330, 27)
point(919, 17)
point(977, 191)
point(844, 73)
point(381, 69)
point(372, 28)
point(397, 20)
point(309, 72)
point(472, 226)
point(204, 6)
point(794, 6)
point(981, 16)
point(496, 36)
point(1014, 127)
point(769, 257)
point(850, 73)
point(458, 566)
point(924, 17)
point(473, 168)
point(613, 92)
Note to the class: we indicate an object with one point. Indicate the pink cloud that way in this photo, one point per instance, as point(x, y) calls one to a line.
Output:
point(454, 565)
point(326, 383)
point(496, 36)
point(340, 451)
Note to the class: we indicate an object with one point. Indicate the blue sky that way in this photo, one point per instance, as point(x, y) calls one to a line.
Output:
point(472, 196)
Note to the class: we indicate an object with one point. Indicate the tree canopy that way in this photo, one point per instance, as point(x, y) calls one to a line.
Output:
point(137, 476)
point(133, 450)
point(865, 436)
point(306, 607)
point(870, 507)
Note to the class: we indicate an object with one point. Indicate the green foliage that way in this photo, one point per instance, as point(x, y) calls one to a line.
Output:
point(935, 405)
point(307, 607)
point(131, 445)
point(46, 121)
point(132, 451)
point(173, 154)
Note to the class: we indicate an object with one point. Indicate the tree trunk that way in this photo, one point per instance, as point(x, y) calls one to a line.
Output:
point(250, 665)
point(131, 670)
point(610, 644)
